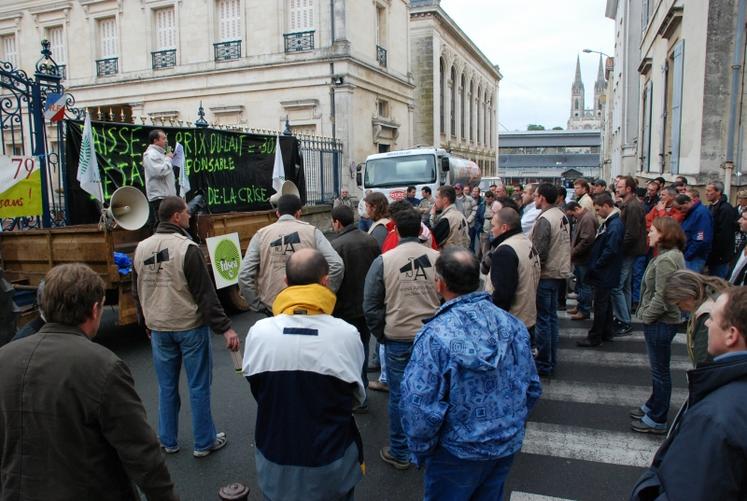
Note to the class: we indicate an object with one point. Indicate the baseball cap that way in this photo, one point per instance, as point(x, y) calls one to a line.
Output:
point(599, 182)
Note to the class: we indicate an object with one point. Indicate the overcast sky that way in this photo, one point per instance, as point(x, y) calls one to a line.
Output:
point(535, 43)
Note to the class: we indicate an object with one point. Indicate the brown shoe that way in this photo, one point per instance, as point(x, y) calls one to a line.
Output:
point(378, 386)
point(579, 316)
point(572, 311)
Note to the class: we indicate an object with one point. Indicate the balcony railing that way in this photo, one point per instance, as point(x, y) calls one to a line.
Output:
point(62, 71)
point(227, 51)
point(381, 55)
point(108, 66)
point(163, 59)
point(299, 42)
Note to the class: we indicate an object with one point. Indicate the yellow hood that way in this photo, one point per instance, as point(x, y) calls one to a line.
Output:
point(312, 299)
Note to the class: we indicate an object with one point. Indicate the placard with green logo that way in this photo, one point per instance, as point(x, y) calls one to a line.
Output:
point(225, 258)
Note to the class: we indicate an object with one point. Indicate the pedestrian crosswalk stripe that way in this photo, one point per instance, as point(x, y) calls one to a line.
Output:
point(527, 496)
point(587, 444)
point(616, 359)
point(603, 393)
point(637, 336)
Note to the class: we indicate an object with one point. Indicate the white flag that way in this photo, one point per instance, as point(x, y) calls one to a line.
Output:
point(278, 171)
point(178, 161)
point(88, 167)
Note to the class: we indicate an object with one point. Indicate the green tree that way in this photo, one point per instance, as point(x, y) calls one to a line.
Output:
point(535, 127)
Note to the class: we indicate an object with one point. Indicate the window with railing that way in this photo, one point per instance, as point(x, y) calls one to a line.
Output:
point(300, 15)
point(227, 51)
point(108, 61)
point(299, 42)
point(165, 44)
point(229, 30)
point(381, 55)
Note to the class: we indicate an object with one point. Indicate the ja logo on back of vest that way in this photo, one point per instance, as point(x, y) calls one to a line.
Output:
point(415, 269)
point(284, 244)
point(154, 262)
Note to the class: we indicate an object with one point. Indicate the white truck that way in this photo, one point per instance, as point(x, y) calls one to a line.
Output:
point(391, 173)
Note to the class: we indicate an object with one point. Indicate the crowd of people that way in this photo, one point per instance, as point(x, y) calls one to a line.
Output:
point(461, 291)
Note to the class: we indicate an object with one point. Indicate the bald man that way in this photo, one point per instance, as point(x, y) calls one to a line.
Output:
point(304, 368)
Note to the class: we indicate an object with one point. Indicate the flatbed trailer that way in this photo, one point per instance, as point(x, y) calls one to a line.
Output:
point(28, 255)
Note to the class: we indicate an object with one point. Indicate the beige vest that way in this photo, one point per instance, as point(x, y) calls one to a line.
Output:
point(276, 244)
point(162, 288)
point(410, 296)
point(458, 228)
point(524, 305)
point(558, 264)
point(379, 222)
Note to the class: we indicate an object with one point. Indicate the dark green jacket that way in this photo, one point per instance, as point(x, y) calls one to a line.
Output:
point(653, 307)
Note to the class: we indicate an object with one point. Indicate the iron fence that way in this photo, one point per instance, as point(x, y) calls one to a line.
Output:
point(322, 158)
point(107, 67)
point(227, 51)
point(163, 59)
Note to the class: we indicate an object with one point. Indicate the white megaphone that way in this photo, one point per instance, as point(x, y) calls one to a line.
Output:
point(128, 208)
point(287, 188)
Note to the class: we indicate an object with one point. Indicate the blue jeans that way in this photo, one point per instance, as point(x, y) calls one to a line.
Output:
point(695, 265)
point(546, 328)
point(450, 478)
point(583, 290)
point(659, 347)
point(169, 350)
point(397, 356)
point(639, 267)
point(719, 270)
point(621, 294)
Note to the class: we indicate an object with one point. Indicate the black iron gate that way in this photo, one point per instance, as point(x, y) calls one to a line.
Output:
point(24, 131)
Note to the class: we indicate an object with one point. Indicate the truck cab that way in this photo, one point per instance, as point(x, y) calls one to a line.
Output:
point(392, 172)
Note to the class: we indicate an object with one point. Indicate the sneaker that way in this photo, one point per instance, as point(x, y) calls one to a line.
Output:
point(624, 330)
point(572, 311)
point(637, 413)
point(378, 386)
point(170, 450)
point(579, 316)
point(387, 457)
point(220, 442)
point(642, 427)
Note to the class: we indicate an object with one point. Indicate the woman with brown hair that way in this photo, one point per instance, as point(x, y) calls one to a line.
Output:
point(660, 320)
point(378, 212)
point(695, 294)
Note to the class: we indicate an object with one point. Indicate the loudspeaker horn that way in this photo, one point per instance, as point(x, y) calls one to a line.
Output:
point(128, 208)
point(288, 188)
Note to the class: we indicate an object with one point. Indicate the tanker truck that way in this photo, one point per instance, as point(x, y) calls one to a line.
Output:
point(391, 173)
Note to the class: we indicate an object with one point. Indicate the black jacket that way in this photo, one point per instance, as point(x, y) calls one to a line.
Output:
point(504, 271)
point(606, 260)
point(81, 432)
point(357, 250)
point(705, 454)
point(724, 221)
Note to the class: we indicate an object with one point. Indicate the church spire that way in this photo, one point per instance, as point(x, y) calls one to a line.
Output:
point(600, 73)
point(578, 80)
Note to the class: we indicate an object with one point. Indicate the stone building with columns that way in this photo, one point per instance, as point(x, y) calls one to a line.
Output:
point(456, 87)
point(337, 68)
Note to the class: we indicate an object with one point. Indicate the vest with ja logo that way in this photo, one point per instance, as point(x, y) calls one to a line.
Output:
point(410, 289)
point(277, 243)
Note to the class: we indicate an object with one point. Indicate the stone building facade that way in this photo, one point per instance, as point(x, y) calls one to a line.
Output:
point(684, 74)
point(582, 117)
point(456, 88)
point(339, 68)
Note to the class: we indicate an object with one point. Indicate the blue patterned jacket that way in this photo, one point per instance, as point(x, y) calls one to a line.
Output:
point(470, 383)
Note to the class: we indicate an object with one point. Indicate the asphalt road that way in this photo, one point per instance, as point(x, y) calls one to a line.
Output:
point(578, 446)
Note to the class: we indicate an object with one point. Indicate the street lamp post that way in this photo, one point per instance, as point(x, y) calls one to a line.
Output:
point(589, 51)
